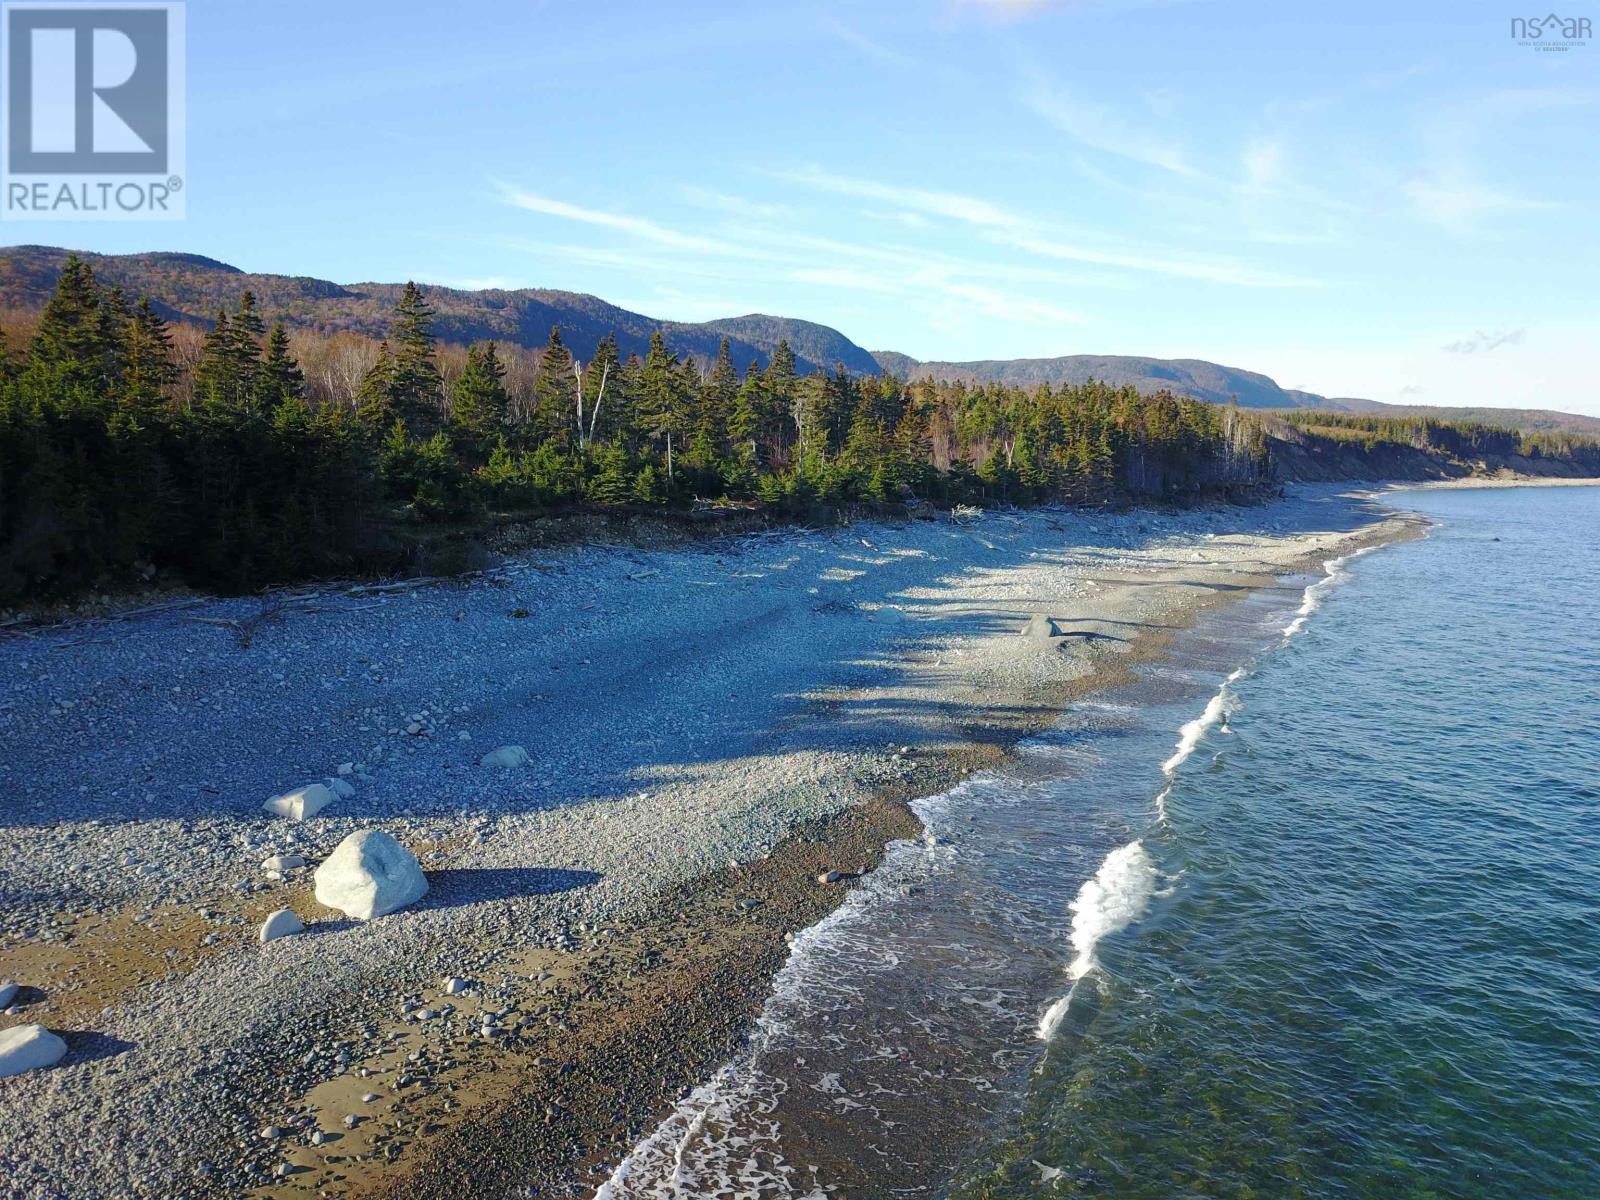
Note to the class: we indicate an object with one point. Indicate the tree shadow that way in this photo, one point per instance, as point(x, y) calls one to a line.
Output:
point(598, 701)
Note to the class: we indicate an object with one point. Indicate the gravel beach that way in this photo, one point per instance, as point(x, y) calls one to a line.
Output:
point(708, 730)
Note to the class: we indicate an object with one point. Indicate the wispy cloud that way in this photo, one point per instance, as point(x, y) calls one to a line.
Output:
point(639, 227)
point(1102, 128)
point(1458, 204)
point(953, 205)
point(1010, 10)
point(857, 40)
point(1484, 343)
point(1022, 233)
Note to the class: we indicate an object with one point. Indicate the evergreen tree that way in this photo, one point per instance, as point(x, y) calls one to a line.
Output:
point(663, 399)
point(70, 341)
point(279, 378)
point(148, 369)
point(217, 377)
point(612, 483)
point(555, 390)
point(415, 390)
point(478, 398)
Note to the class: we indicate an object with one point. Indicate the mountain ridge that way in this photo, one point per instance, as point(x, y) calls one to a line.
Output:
point(192, 287)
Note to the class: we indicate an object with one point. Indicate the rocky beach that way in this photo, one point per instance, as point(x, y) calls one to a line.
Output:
point(627, 777)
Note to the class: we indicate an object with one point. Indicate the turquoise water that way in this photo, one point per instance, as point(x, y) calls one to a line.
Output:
point(1307, 909)
point(1365, 961)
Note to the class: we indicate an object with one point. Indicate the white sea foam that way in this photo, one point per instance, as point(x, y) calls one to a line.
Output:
point(1334, 574)
point(1192, 731)
point(1115, 898)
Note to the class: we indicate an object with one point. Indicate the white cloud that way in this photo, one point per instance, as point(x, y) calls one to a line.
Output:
point(1010, 10)
point(953, 205)
point(639, 227)
point(1483, 343)
point(1021, 233)
point(1102, 128)
point(1458, 204)
point(1263, 162)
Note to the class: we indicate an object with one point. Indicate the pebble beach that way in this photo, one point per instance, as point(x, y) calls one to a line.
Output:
point(717, 742)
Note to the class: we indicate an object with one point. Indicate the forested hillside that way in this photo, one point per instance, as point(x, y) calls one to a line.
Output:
point(1187, 376)
point(1327, 446)
point(129, 447)
point(189, 288)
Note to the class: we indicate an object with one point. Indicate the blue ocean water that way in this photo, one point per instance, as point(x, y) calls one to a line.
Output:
point(1370, 963)
point(1309, 908)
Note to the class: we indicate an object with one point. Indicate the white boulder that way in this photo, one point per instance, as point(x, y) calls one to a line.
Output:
point(24, 1047)
point(505, 756)
point(8, 992)
point(1040, 627)
point(282, 862)
point(370, 874)
point(300, 803)
point(280, 924)
point(454, 986)
point(342, 788)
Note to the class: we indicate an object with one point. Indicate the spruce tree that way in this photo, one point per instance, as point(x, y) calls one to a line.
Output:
point(70, 340)
point(216, 379)
point(148, 369)
point(478, 399)
point(663, 400)
point(244, 332)
point(414, 387)
point(555, 395)
point(279, 378)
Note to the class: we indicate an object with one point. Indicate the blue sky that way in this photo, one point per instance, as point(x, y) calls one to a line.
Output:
point(1390, 200)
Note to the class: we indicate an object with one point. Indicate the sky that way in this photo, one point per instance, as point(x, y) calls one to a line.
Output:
point(1394, 200)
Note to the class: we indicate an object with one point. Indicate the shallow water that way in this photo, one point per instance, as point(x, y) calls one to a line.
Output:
point(1307, 910)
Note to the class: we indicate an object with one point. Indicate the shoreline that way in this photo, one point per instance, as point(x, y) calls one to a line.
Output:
point(817, 786)
point(1492, 481)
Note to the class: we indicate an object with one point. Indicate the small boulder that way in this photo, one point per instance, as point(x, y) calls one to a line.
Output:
point(8, 992)
point(282, 862)
point(280, 924)
point(25, 1047)
point(1040, 628)
point(454, 986)
point(342, 788)
point(829, 877)
point(300, 803)
point(505, 756)
point(370, 874)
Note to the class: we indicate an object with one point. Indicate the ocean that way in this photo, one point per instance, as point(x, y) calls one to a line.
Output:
point(1308, 909)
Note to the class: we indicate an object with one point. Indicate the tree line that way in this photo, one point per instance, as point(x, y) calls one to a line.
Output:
point(1458, 439)
point(121, 453)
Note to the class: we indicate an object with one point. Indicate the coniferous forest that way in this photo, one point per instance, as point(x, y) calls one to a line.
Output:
point(228, 472)
point(128, 447)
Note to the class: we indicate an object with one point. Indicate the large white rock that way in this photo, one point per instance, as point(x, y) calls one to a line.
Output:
point(370, 874)
point(280, 924)
point(300, 803)
point(24, 1047)
point(505, 756)
point(1040, 628)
